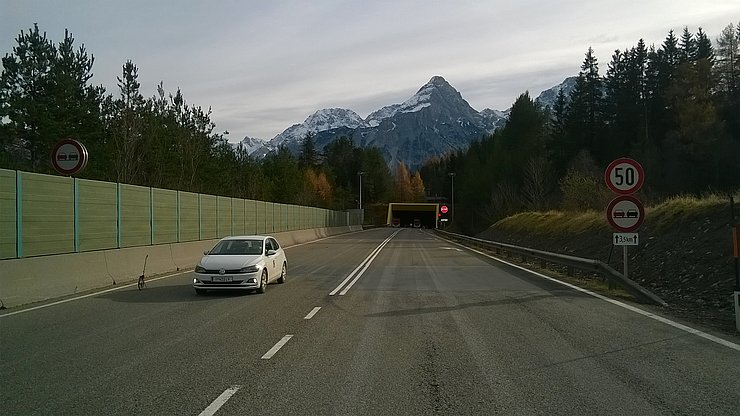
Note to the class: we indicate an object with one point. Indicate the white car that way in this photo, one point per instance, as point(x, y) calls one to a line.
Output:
point(241, 263)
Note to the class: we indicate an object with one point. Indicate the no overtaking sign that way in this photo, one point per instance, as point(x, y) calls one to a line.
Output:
point(69, 157)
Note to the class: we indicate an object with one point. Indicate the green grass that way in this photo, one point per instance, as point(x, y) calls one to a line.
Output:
point(553, 222)
point(670, 213)
point(680, 209)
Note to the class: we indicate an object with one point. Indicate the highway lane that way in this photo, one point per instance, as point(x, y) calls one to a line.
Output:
point(426, 328)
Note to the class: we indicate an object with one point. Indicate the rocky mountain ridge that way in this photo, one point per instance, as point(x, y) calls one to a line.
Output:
point(434, 121)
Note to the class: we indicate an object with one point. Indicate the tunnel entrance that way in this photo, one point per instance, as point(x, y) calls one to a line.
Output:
point(418, 215)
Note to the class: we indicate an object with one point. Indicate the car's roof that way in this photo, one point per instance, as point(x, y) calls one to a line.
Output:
point(247, 237)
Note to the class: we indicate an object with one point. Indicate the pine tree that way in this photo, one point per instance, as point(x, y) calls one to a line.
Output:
point(556, 145)
point(687, 47)
point(127, 128)
point(704, 49)
point(308, 158)
point(45, 97)
point(586, 121)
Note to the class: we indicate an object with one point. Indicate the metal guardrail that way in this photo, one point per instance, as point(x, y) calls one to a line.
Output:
point(572, 262)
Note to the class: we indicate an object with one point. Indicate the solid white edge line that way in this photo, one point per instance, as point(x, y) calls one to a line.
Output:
point(642, 312)
point(220, 401)
point(275, 348)
point(89, 295)
point(313, 312)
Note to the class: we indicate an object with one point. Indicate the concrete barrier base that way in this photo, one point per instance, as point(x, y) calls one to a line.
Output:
point(35, 279)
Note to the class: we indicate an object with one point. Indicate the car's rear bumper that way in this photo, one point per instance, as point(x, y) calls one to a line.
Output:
point(238, 281)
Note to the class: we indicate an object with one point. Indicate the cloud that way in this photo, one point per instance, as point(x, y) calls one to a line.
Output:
point(265, 65)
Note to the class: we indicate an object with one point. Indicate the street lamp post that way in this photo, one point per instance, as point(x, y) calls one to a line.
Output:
point(452, 176)
point(359, 174)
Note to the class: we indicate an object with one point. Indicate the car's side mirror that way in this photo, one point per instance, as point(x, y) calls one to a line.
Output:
point(271, 252)
point(205, 252)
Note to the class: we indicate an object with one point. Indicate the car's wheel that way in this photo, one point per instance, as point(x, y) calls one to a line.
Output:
point(200, 291)
point(263, 282)
point(283, 273)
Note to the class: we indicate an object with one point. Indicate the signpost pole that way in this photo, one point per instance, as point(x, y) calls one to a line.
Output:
point(625, 262)
point(736, 254)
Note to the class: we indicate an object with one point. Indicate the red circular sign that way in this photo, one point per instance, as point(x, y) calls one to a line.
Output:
point(69, 157)
point(624, 176)
point(443, 209)
point(625, 213)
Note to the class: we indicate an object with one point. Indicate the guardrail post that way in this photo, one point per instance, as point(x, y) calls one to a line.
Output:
point(543, 264)
point(570, 271)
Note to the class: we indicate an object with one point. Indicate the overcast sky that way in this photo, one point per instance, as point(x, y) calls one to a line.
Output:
point(265, 65)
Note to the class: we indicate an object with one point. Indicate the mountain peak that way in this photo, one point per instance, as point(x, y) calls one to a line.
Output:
point(438, 81)
point(321, 120)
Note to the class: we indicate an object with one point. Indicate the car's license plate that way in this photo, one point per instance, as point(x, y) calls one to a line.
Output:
point(222, 279)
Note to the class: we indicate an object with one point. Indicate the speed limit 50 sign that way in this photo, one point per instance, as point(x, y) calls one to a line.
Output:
point(624, 176)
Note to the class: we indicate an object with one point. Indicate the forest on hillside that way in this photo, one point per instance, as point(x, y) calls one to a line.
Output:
point(675, 108)
point(163, 141)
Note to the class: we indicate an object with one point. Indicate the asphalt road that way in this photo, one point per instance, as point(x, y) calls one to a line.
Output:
point(422, 327)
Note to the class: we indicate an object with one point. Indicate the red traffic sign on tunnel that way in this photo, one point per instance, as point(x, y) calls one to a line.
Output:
point(624, 176)
point(625, 213)
point(443, 209)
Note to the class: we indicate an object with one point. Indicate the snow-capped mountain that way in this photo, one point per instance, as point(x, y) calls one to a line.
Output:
point(434, 121)
point(251, 144)
point(322, 120)
point(547, 97)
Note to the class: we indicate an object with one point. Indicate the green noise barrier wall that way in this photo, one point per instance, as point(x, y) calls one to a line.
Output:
point(47, 214)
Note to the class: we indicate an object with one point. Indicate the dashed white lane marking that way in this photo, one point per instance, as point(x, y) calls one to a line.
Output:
point(220, 401)
point(450, 248)
point(277, 347)
point(313, 312)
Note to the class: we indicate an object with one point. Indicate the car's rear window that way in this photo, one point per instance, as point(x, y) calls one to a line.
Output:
point(237, 247)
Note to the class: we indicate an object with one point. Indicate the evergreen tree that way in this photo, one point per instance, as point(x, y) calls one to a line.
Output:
point(704, 49)
point(585, 121)
point(308, 158)
point(45, 97)
point(127, 128)
point(687, 47)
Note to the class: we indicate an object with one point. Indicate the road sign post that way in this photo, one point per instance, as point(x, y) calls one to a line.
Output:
point(736, 255)
point(624, 176)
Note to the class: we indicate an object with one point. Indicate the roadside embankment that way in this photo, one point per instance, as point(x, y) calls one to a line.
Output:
point(684, 256)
